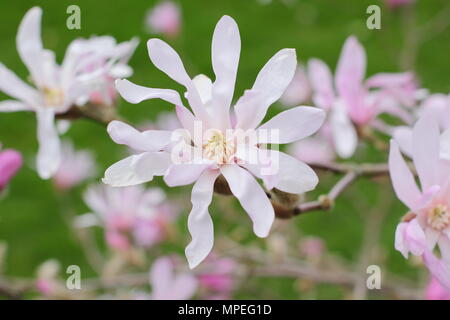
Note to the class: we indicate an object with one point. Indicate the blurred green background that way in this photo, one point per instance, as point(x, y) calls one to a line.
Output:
point(31, 219)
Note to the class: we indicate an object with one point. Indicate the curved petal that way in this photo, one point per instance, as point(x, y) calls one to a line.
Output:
point(16, 88)
point(345, 137)
point(200, 224)
point(322, 83)
point(403, 181)
point(226, 48)
point(134, 93)
point(183, 174)
point(29, 42)
point(167, 60)
point(248, 110)
point(49, 153)
point(438, 268)
point(274, 78)
point(13, 106)
point(137, 169)
point(351, 68)
point(292, 125)
point(252, 198)
point(403, 136)
point(150, 140)
point(426, 151)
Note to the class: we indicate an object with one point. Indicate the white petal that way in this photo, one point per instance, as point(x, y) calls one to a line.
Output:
point(292, 125)
point(49, 153)
point(445, 145)
point(183, 174)
point(345, 137)
point(200, 224)
point(248, 110)
point(12, 106)
point(16, 88)
point(150, 140)
point(137, 169)
point(403, 136)
point(134, 93)
point(226, 48)
point(204, 87)
point(251, 197)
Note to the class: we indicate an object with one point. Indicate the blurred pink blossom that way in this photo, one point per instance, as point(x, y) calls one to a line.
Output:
point(312, 247)
point(10, 163)
point(131, 216)
point(435, 291)
point(428, 223)
point(169, 284)
point(76, 167)
point(298, 91)
point(217, 278)
point(164, 18)
point(202, 162)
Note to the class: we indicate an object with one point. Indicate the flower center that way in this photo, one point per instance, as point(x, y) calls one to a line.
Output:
point(218, 149)
point(439, 217)
point(53, 97)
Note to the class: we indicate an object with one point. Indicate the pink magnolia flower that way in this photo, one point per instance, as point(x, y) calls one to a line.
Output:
point(165, 18)
point(348, 99)
point(435, 291)
point(167, 284)
point(57, 88)
point(207, 147)
point(131, 216)
point(298, 91)
point(217, 277)
point(10, 163)
point(428, 223)
point(76, 167)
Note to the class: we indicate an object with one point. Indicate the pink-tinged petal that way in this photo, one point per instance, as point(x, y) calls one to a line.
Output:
point(432, 237)
point(252, 198)
point(298, 91)
point(200, 224)
point(292, 175)
point(226, 48)
point(137, 169)
point(444, 248)
point(444, 145)
point(186, 119)
point(150, 140)
point(415, 237)
point(183, 174)
point(134, 93)
point(161, 277)
point(49, 153)
point(400, 244)
point(274, 78)
point(164, 18)
point(403, 181)
point(438, 268)
point(387, 80)
point(204, 87)
point(313, 150)
point(292, 125)
point(345, 137)
point(426, 151)
point(29, 43)
point(167, 60)
point(403, 136)
point(16, 88)
point(13, 106)
point(435, 291)
point(351, 68)
point(10, 163)
point(184, 286)
point(248, 110)
point(322, 83)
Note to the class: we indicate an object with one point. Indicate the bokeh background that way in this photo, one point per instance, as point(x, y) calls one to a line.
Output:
point(32, 222)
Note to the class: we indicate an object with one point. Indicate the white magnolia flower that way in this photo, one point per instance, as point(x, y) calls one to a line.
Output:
point(218, 151)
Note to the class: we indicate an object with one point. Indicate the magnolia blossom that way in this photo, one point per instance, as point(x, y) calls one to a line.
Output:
point(211, 144)
point(165, 18)
point(168, 284)
point(427, 226)
point(10, 163)
point(131, 216)
point(299, 90)
point(76, 167)
point(57, 88)
point(348, 99)
point(435, 291)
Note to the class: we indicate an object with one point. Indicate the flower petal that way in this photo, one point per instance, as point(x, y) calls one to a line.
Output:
point(248, 110)
point(137, 169)
point(200, 224)
point(403, 181)
point(150, 140)
point(134, 93)
point(183, 174)
point(345, 137)
point(426, 150)
point(226, 48)
point(252, 198)
point(403, 136)
point(49, 153)
point(292, 125)
point(13, 106)
point(322, 83)
point(16, 88)
point(274, 78)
